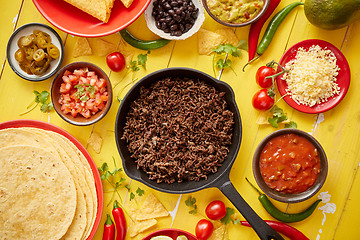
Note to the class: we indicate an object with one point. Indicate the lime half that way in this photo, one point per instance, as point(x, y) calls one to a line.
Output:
point(182, 237)
point(161, 237)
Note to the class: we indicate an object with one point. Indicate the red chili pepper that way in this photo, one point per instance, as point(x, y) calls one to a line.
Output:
point(283, 228)
point(120, 221)
point(255, 28)
point(109, 229)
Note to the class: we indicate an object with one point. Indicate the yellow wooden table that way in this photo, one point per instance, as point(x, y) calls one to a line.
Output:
point(337, 130)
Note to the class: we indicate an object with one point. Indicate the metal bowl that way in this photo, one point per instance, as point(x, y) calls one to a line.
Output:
point(286, 197)
point(254, 19)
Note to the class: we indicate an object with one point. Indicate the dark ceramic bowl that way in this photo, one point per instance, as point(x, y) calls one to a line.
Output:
point(254, 19)
point(170, 232)
point(55, 94)
point(283, 197)
point(12, 47)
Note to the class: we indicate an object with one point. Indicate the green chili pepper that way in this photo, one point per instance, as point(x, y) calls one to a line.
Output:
point(281, 216)
point(271, 29)
point(142, 44)
point(273, 26)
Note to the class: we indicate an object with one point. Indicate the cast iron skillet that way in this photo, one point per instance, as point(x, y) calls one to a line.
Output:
point(220, 179)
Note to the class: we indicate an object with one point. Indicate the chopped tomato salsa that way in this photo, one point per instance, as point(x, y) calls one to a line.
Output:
point(82, 92)
point(289, 163)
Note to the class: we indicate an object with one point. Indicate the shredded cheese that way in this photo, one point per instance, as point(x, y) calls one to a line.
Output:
point(312, 76)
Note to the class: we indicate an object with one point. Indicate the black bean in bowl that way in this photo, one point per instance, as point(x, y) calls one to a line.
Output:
point(175, 17)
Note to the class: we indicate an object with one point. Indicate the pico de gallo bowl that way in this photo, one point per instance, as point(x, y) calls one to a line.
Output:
point(81, 93)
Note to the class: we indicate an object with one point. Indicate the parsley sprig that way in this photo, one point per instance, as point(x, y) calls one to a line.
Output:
point(134, 66)
point(221, 58)
point(278, 116)
point(41, 98)
point(191, 202)
point(114, 178)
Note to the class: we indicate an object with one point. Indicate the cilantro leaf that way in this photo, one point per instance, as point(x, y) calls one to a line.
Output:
point(227, 219)
point(223, 64)
point(273, 122)
point(140, 192)
point(132, 196)
point(191, 202)
point(291, 124)
point(142, 58)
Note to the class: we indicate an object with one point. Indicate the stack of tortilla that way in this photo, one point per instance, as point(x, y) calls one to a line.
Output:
point(47, 189)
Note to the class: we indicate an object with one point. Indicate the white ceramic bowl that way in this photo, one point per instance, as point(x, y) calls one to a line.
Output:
point(12, 47)
point(150, 21)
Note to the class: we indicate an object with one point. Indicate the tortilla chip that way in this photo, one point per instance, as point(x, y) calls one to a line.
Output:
point(82, 48)
point(219, 233)
point(127, 3)
point(99, 9)
point(229, 36)
point(151, 208)
point(128, 55)
point(101, 47)
point(141, 226)
point(95, 142)
point(208, 40)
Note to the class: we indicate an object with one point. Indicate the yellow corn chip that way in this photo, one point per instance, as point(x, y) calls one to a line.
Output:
point(229, 36)
point(208, 40)
point(99, 9)
point(82, 48)
point(140, 226)
point(101, 47)
point(128, 55)
point(95, 142)
point(219, 233)
point(127, 3)
point(151, 208)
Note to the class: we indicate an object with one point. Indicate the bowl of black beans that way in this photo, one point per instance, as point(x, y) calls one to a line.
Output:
point(174, 19)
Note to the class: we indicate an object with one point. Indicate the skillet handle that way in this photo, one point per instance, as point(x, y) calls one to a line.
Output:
point(263, 230)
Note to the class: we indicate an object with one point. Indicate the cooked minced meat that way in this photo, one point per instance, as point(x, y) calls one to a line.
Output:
point(179, 129)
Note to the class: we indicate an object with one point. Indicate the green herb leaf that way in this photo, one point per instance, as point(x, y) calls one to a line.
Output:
point(140, 192)
point(223, 64)
point(142, 58)
point(132, 196)
point(191, 202)
point(291, 124)
point(273, 122)
point(227, 219)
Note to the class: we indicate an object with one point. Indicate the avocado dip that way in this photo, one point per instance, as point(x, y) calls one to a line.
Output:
point(235, 11)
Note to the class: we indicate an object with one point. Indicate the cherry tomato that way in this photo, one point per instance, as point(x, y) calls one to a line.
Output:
point(215, 210)
point(262, 101)
point(204, 229)
point(262, 73)
point(115, 61)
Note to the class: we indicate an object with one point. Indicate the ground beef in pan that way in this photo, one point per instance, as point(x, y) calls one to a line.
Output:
point(179, 129)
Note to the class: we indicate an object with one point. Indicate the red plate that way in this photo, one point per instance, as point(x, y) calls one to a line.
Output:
point(50, 127)
point(343, 79)
point(170, 232)
point(76, 22)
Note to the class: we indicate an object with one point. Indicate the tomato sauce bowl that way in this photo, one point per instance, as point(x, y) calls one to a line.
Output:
point(290, 165)
point(81, 93)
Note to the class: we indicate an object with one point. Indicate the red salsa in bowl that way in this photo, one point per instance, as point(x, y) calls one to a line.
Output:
point(81, 93)
point(289, 163)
